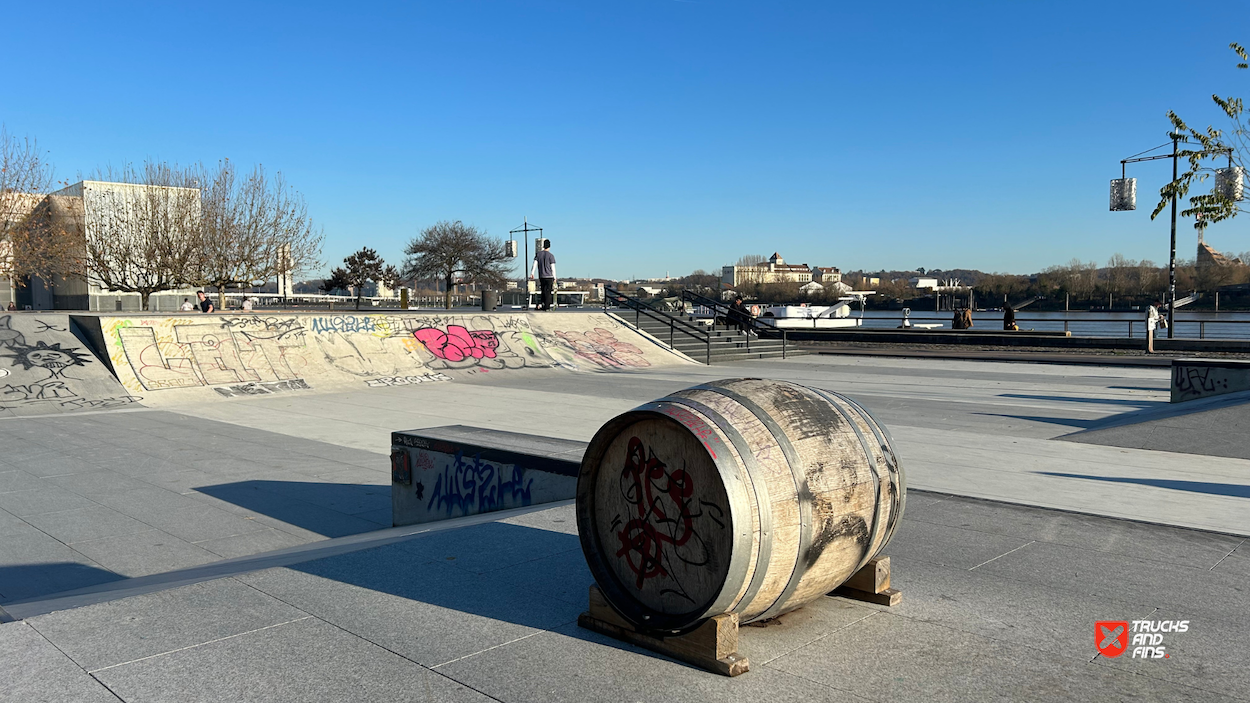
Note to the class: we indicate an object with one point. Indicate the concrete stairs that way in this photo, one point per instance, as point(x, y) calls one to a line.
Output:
point(727, 344)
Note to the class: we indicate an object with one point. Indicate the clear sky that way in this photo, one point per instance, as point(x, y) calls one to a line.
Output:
point(653, 136)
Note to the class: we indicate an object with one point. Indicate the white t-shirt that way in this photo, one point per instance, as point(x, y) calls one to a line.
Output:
point(1152, 318)
point(187, 306)
point(247, 303)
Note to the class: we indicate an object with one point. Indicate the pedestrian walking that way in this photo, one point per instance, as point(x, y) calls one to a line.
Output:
point(247, 304)
point(187, 305)
point(1009, 319)
point(1152, 323)
point(545, 268)
point(206, 305)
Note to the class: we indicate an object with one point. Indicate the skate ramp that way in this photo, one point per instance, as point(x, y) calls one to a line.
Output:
point(188, 358)
point(45, 369)
point(600, 342)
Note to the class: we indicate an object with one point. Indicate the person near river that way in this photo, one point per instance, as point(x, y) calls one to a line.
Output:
point(1009, 319)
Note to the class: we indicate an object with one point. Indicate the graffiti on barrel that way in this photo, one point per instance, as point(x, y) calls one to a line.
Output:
point(662, 539)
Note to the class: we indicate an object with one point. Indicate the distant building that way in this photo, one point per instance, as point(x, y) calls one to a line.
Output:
point(826, 274)
point(812, 288)
point(96, 209)
point(776, 270)
point(1209, 257)
point(924, 283)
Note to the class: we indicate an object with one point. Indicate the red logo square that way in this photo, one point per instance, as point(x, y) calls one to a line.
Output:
point(1111, 637)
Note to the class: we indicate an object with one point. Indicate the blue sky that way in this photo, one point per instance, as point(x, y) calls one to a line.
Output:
point(653, 136)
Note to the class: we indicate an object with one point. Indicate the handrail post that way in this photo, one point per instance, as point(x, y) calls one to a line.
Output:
point(784, 336)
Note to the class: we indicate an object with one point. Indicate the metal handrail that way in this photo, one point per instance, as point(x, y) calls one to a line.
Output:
point(761, 329)
point(641, 308)
point(1131, 322)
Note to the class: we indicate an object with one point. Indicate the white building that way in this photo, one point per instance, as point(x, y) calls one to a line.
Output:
point(775, 270)
point(116, 211)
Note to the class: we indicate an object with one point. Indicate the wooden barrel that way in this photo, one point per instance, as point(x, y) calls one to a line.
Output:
point(745, 496)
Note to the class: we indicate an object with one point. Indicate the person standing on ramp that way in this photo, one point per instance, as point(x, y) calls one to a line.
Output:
point(545, 268)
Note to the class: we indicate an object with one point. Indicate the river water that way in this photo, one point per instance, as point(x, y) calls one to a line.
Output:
point(1190, 325)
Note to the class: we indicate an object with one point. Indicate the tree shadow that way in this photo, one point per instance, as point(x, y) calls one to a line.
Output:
point(1234, 490)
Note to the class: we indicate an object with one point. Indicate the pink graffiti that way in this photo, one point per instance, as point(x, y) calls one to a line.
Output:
point(458, 343)
point(601, 347)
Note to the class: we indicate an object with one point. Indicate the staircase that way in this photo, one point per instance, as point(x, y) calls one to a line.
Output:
point(710, 344)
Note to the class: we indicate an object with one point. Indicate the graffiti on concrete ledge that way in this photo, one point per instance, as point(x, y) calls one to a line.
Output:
point(468, 487)
point(1197, 380)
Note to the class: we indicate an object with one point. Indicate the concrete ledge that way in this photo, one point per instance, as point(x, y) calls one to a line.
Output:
point(1201, 378)
point(449, 472)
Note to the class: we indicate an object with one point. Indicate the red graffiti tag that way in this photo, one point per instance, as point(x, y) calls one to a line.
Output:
point(458, 343)
point(663, 504)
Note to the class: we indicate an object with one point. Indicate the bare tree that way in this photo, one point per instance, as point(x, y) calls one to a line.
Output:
point(25, 176)
point(141, 232)
point(254, 228)
point(455, 252)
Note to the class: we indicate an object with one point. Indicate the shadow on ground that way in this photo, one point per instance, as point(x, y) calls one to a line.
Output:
point(23, 581)
point(1065, 421)
point(1219, 489)
point(511, 573)
point(330, 509)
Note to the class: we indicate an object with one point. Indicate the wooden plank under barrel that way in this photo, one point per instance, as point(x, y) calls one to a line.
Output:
point(744, 496)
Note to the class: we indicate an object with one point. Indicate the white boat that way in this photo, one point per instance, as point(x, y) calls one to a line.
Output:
point(814, 317)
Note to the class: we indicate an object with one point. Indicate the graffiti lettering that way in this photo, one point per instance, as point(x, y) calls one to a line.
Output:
point(294, 384)
point(406, 380)
point(458, 343)
point(343, 323)
point(1197, 380)
point(476, 486)
point(663, 500)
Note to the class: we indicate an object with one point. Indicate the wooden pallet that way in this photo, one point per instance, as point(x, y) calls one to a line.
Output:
point(871, 584)
point(714, 644)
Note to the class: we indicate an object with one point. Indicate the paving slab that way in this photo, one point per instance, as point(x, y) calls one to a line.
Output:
point(300, 661)
point(1135, 539)
point(158, 623)
point(576, 665)
point(33, 670)
point(143, 553)
point(896, 658)
point(428, 611)
point(83, 524)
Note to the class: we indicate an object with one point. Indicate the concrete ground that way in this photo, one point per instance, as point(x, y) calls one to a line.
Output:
point(252, 532)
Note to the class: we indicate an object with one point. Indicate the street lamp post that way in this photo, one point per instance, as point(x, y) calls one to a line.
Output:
point(525, 229)
point(1124, 197)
